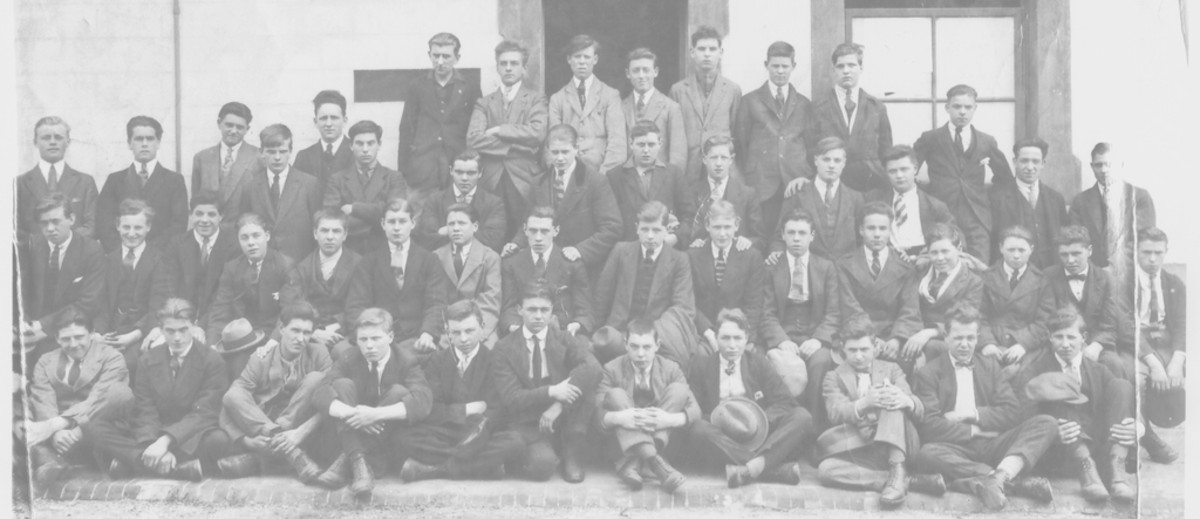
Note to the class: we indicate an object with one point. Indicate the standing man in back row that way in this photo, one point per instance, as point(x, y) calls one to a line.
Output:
point(591, 107)
point(331, 153)
point(52, 136)
point(224, 167)
point(709, 100)
point(858, 118)
point(147, 179)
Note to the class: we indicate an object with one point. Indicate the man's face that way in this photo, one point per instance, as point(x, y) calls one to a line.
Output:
point(860, 353)
point(276, 158)
point(540, 232)
point(847, 70)
point(294, 337)
point(464, 334)
point(779, 69)
point(460, 227)
point(582, 62)
point(961, 109)
point(329, 120)
point(645, 149)
point(1075, 257)
point(443, 58)
point(1106, 167)
point(330, 235)
point(206, 219)
point(962, 339)
point(1028, 164)
point(373, 342)
point(465, 174)
point(797, 236)
point(1067, 342)
point(1151, 255)
point(722, 230)
point(365, 147)
point(641, 349)
point(510, 67)
point(642, 73)
point(52, 142)
point(253, 240)
point(876, 230)
point(706, 54)
point(56, 228)
point(133, 229)
point(902, 174)
point(535, 313)
point(75, 340)
point(830, 165)
point(943, 255)
point(562, 153)
point(731, 341)
point(144, 144)
point(1016, 252)
point(651, 234)
point(397, 226)
point(177, 333)
point(717, 162)
point(233, 129)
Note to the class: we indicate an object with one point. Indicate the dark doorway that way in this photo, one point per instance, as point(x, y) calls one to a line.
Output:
point(620, 26)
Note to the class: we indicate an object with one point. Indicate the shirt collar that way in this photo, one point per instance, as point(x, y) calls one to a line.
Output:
point(787, 87)
point(137, 251)
point(65, 244)
point(714, 184)
point(546, 254)
point(822, 185)
point(230, 150)
point(458, 193)
point(883, 256)
point(1008, 271)
point(387, 356)
point(841, 93)
point(717, 250)
point(185, 352)
point(150, 167)
point(645, 97)
point(331, 259)
point(1145, 278)
point(587, 83)
point(792, 259)
point(282, 175)
point(211, 240)
point(540, 335)
point(469, 357)
point(1074, 363)
point(966, 130)
point(1025, 186)
point(653, 253)
point(511, 92)
point(370, 172)
point(464, 249)
point(58, 168)
point(337, 144)
point(399, 249)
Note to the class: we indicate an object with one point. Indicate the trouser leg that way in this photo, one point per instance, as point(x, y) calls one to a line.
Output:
point(819, 363)
point(299, 408)
point(500, 448)
point(1029, 440)
point(787, 432)
point(950, 460)
point(865, 468)
point(114, 439)
point(710, 443)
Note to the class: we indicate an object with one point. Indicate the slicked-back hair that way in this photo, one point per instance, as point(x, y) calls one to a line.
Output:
point(541, 211)
point(51, 120)
point(563, 133)
point(963, 313)
point(400, 205)
point(654, 212)
point(1101, 148)
point(134, 206)
point(644, 127)
point(899, 151)
point(961, 90)
point(235, 108)
point(301, 309)
point(1032, 142)
point(207, 197)
point(461, 310)
point(580, 42)
point(641, 53)
point(329, 97)
point(51, 202)
point(714, 141)
point(735, 316)
point(176, 308)
point(847, 49)
point(143, 120)
point(829, 144)
point(944, 231)
point(1153, 234)
point(1073, 234)
point(1019, 232)
point(512, 46)
point(706, 32)
point(781, 49)
point(1066, 317)
point(365, 126)
point(443, 39)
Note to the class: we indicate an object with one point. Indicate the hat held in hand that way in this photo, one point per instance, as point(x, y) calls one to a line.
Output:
point(742, 420)
point(1055, 386)
point(237, 336)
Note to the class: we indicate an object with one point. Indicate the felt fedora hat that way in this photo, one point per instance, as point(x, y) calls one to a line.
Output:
point(742, 420)
point(238, 336)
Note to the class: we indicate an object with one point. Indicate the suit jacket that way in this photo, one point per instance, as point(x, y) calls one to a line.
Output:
point(1085, 211)
point(889, 300)
point(292, 231)
point(865, 143)
point(828, 242)
point(1098, 306)
point(151, 288)
point(763, 385)
point(524, 402)
point(262, 380)
point(741, 287)
point(514, 149)
point(772, 145)
point(704, 117)
point(80, 280)
point(261, 302)
point(931, 211)
point(620, 373)
point(206, 176)
point(601, 123)
point(1174, 294)
point(79, 188)
point(1094, 378)
point(451, 392)
point(192, 280)
point(1009, 208)
point(671, 287)
point(432, 133)
point(327, 296)
point(480, 280)
point(401, 369)
point(493, 224)
point(165, 191)
point(185, 406)
point(1010, 316)
point(958, 179)
point(936, 384)
point(965, 287)
point(569, 279)
point(312, 160)
point(840, 389)
point(745, 202)
point(416, 307)
point(102, 370)
point(668, 116)
point(367, 201)
point(825, 312)
point(667, 185)
point(588, 217)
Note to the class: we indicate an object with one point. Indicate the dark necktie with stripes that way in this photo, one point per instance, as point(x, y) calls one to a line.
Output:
point(719, 267)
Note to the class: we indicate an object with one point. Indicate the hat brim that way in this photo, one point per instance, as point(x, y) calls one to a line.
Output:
point(259, 338)
point(760, 437)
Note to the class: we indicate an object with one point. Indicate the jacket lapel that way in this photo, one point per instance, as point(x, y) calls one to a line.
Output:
point(290, 191)
point(849, 380)
point(473, 262)
point(574, 190)
point(695, 98)
point(706, 266)
point(658, 103)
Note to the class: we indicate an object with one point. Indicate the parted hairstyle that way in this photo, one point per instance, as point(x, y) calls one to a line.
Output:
point(512, 46)
point(464, 208)
point(133, 206)
point(722, 209)
point(1032, 142)
point(944, 231)
point(400, 205)
point(374, 317)
point(538, 288)
point(1151, 234)
point(365, 126)
point(329, 97)
point(875, 207)
point(1066, 317)
point(1019, 232)
point(541, 211)
point(829, 144)
point(235, 108)
point(207, 197)
point(846, 49)
point(961, 90)
point(252, 219)
point(714, 141)
point(963, 313)
point(581, 42)
point(177, 308)
point(654, 212)
point(735, 316)
point(143, 120)
point(641, 53)
point(51, 202)
point(462, 309)
point(897, 152)
point(275, 135)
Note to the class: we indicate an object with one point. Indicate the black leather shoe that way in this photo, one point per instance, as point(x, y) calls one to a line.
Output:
point(49, 471)
point(362, 477)
point(119, 470)
point(190, 471)
point(1089, 481)
point(306, 469)
point(670, 478)
point(895, 490)
point(335, 476)
point(628, 473)
point(931, 484)
point(787, 473)
point(1036, 488)
point(238, 466)
point(1158, 449)
point(572, 471)
point(414, 470)
point(990, 490)
point(1121, 487)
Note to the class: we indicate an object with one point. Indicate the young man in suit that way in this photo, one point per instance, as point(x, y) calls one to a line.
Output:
point(547, 382)
point(946, 283)
point(973, 432)
point(645, 102)
point(643, 400)
point(194, 259)
point(910, 225)
point(433, 127)
point(1012, 290)
point(52, 137)
point(1029, 202)
point(323, 278)
point(464, 189)
point(708, 100)
point(1112, 210)
point(331, 153)
point(1161, 311)
point(732, 375)
point(404, 279)
point(268, 410)
point(956, 155)
point(833, 204)
point(83, 380)
point(573, 308)
point(361, 191)
point(255, 285)
point(1096, 427)
point(802, 311)
point(646, 279)
point(646, 179)
point(772, 131)
point(716, 184)
point(473, 269)
point(1092, 292)
point(465, 435)
point(858, 118)
point(145, 179)
point(286, 196)
point(724, 276)
point(591, 107)
point(172, 431)
point(223, 168)
point(873, 413)
point(372, 395)
point(507, 129)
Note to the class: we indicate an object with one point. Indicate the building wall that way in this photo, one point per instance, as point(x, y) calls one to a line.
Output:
point(753, 26)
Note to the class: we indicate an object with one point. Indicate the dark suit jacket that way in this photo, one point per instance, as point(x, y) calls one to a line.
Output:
point(569, 279)
point(432, 133)
point(667, 185)
point(191, 280)
point(185, 407)
point(1009, 208)
point(328, 297)
point(740, 288)
point(671, 287)
point(825, 312)
point(958, 180)
point(80, 280)
point(1085, 211)
point(165, 191)
point(936, 384)
point(151, 287)
point(1098, 307)
point(346, 187)
point(260, 303)
point(492, 219)
point(1175, 316)
point(452, 392)
point(417, 307)
point(965, 287)
point(866, 142)
point(1010, 316)
point(312, 160)
point(931, 210)
point(79, 188)
point(762, 384)
point(587, 218)
point(828, 242)
point(401, 369)
point(206, 176)
point(565, 356)
point(514, 149)
point(292, 233)
point(745, 202)
point(889, 300)
point(772, 147)
point(101, 371)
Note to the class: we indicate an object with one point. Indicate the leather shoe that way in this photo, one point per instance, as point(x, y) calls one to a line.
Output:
point(363, 479)
point(572, 470)
point(334, 477)
point(1121, 487)
point(1089, 480)
point(190, 471)
point(787, 473)
point(414, 470)
point(628, 473)
point(931, 484)
point(306, 469)
point(1158, 449)
point(49, 471)
point(896, 488)
point(238, 466)
point(1036, 488)
point(477, 432)
point(669, 478)
point(119, 470)
point(737, 475)
point(990, 490)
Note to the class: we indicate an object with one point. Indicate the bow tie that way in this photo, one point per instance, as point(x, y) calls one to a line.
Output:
point(730, 367)
point(1076, 277)
point(964, 365)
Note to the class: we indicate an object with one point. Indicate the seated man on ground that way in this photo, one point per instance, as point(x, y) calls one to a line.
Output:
point(1162, 327)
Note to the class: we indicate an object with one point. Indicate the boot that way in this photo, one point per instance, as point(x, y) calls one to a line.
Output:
point(896, 488)
point(990, 491)
point(628, 473)
point(787, 473)
point(238, 466)
point(737, 475)
point(363, 479)
point(51, 469)
point(1089, 480)
point(1036, 488)
point(335, 477)
point(572, 470)
point(931, 484)
point(414, 470)
point(190, 471)
point(671, 479)
point(305, 467)
point(1122, 484)
point(119, 470)
point(1158, 450)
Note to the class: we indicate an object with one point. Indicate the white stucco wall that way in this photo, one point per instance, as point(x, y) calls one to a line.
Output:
point(753, 26)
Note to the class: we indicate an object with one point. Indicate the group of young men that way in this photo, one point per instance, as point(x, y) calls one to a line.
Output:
point(736, 281)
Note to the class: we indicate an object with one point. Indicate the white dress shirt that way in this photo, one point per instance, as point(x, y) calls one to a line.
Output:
point(910, 234)
point(870, 255)
point(399, 254)
point(928, 279)
point(792, 268)
point(1029, 191)
point(566, 173)
point(44, 167)
point(1077, 285)
point(716, 251)
point(967, 134)
point(62, 249)
point(645, 97)
point(510, 93)
point(776, 89)
point(328, 263)
point(587, 85)
point(653, 254)
point(470, 194)
point(465, 359)
point(283, 176)
point(230, 152)
point(212, 240)
point(1071, 367)
point(542, 345)
point(823, 186)
point(1008, 271)
point(137, 253)
point(731, 384)
point(150, 167)
point(964, 399)
point(545, 256)
point(716, 189)
point(337, 144)
point(387, 356)
point(1145, 284)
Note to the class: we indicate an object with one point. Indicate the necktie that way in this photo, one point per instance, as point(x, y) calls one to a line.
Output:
point(227, 164)
point(255, 269)
point(730, 367)
point(537, 360)
point(204, 250)
point(647, 255)
point(958, 142)
point(850, 106)
point(779, 100)
point(73, 373)
point(456, 251)
point(129, 260)
point(52, 182)
point(275, 191)
point(143, 176)
point(175, 364)
point(1076, 277)
point(1103, 209)
point(1013, 279)
point(798, 291)
point(329, 151)
point(875, 265)
point(645, 178)
point(1033, 195)
point(864, 384)
point(560, 187)
point(581, 89)
point(935, 285)
point(900, 208)
point(51, 284)
point(462, 366)
point(964, 365)
point(1069, 369)
point(641, 103)
point(540, 265)
point(830, 217)
point(719, 267)
point(1155, 311)
point(398, 274)
point(717, 192)
point(373, 383)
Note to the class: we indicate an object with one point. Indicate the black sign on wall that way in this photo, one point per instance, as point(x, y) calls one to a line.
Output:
point(384, 86)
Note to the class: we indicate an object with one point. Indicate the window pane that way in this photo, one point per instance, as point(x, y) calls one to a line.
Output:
point(996, 119)
point(897, 55)
point(978, 52)
point(909, 121)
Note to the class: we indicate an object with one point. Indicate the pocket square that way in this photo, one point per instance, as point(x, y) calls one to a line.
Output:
point(78, 279)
